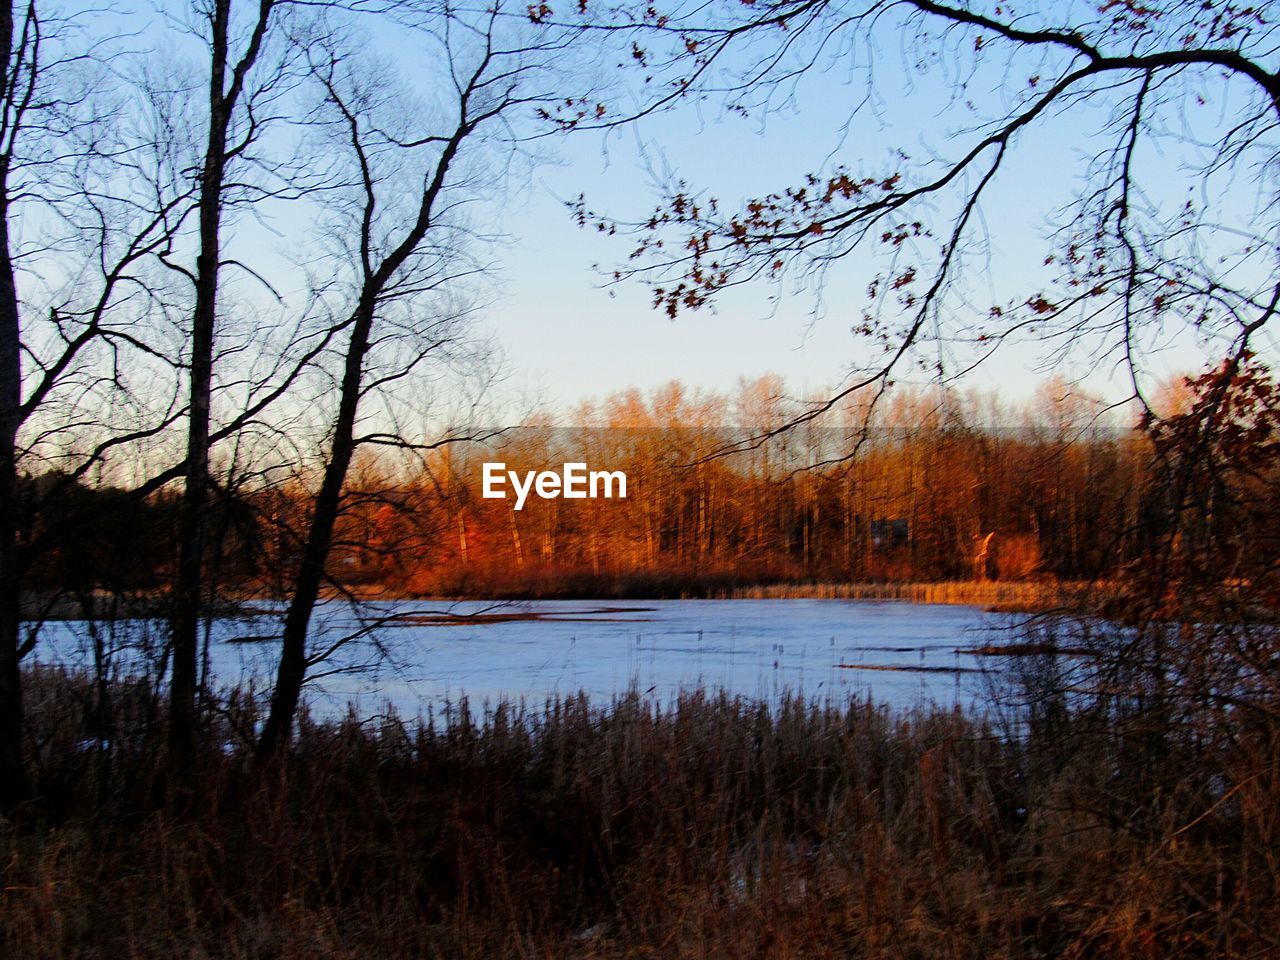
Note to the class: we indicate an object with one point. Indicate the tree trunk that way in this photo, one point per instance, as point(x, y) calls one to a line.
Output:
point(188, 605)
point(315, 554)
point(293, 653)
point(14, 785)
point(187, 600)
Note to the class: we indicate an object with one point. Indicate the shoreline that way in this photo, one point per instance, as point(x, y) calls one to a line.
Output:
point(997, 596)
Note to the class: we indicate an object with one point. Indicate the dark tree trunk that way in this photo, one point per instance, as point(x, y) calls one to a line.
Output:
point(293, 654)
point(188, 605)
point(315, 554)
point(14, 785)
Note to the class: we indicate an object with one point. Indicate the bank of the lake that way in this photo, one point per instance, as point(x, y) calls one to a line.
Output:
point(1014, 596)
point(714, 826)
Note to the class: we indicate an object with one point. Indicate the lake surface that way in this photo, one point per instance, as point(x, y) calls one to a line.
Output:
point(412, 655)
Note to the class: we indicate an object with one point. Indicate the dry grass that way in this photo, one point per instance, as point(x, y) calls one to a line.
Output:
point(710, 828)
point(1010, 595)
point(760, 582)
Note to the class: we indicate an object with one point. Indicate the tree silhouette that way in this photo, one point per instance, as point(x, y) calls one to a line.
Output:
point(1171, 223)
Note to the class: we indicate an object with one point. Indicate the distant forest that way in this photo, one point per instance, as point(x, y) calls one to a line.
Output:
point(923, 485)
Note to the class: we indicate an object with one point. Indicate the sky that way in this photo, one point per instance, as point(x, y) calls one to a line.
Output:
point(567, 334)
point(568, 329)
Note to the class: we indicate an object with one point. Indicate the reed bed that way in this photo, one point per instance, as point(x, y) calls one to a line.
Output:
point(995, 594)
point(708, 827)
point(765, 584)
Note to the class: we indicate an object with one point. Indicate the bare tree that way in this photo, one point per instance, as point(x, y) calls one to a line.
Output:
point(412, 179)
point(1149, 246)
point(234, 121)
point(12, 767)
point(72, 290)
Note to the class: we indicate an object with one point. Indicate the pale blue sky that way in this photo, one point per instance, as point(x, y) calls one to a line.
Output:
point(566, 336)
point(570, 337)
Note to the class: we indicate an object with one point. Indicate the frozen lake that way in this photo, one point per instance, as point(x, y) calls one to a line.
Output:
point(411, 654)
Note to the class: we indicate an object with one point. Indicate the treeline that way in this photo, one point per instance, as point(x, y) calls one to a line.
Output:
point(921, 485)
